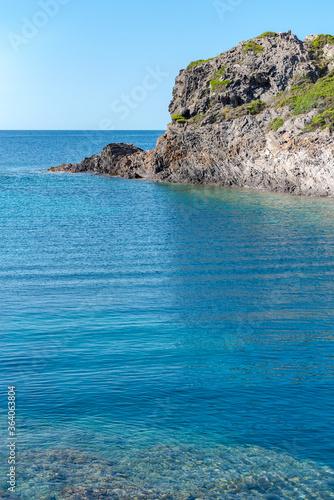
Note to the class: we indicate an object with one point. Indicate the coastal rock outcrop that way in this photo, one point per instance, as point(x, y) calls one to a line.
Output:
point(259, 115)
point(114, 160)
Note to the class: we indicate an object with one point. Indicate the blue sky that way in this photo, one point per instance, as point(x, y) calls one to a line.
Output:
point(106, 64)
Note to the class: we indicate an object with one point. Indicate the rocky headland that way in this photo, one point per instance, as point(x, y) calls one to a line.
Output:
point(260, 115)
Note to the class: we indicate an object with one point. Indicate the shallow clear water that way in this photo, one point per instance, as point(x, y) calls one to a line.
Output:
point(163, 339)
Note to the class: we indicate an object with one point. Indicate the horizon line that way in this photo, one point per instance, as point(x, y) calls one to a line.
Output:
point(80, 130)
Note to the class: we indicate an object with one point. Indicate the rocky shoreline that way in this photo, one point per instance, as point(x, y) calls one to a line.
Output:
point(260, 115)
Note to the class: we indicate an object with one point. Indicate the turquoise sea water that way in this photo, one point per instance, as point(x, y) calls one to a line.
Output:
point(165, 341)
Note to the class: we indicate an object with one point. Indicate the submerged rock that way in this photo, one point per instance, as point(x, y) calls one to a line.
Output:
point(260, 115)
point(170, 472)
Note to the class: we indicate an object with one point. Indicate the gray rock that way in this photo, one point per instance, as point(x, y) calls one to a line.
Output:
point(251, 75)
point(113, 160)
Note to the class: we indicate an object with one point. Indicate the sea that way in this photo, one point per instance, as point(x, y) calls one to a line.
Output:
point(163, 341)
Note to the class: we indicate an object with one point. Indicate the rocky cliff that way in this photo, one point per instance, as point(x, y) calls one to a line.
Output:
point(259, 115)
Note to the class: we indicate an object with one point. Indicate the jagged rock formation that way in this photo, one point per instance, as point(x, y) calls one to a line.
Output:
point(114, 159)
point(260, 115)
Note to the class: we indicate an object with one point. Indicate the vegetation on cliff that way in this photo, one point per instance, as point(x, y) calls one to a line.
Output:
point(256, 107)
point(253, 47)
point(216, 80)
point(307, 96)
point(276, 124)
point(268, 34)
point(193, 64)
point(179, 119)
point(316, 50)
point(324, 120)
point(321, 41)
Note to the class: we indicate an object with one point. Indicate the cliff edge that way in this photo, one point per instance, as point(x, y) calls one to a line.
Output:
point(259, 115)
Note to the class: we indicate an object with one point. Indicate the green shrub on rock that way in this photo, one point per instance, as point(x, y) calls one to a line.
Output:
point(322, 121)
point(193, 64)
point(268, 34)
point(307, 96)
point(276, 124)
point(321, 41)
point(197, 117)
point(179, 119)
point(256, 107)
point(253, 47)
point(216, 80)
point(215, 84)
point(310, 95)
point(316, 48)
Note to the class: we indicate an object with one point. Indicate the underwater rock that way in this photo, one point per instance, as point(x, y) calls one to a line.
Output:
point(164, 472)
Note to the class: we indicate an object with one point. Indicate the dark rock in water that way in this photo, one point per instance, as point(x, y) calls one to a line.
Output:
point(113, 160)
point(260, 115)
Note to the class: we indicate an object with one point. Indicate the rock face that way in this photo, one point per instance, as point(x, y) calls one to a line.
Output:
point(260, 68)
point(260, 115)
